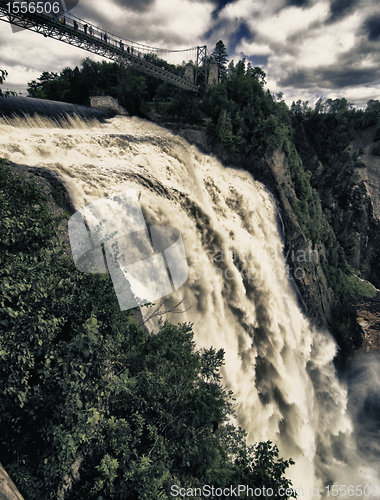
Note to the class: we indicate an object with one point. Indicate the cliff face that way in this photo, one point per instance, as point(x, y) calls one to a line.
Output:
point(370, 175)
point(365, 313)
point(366, 322)
point(304, 260)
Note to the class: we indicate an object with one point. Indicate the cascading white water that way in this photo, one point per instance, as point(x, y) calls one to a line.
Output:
point(278, 365)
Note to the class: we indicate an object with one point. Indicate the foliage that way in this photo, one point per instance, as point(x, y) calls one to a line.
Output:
point(220, 57)
point(76, 85)
point(130, 87)
point(242, 116)
point(335, 175)
point(83, 385)
point(132, 92)
point(359, 288)
point(7, 93)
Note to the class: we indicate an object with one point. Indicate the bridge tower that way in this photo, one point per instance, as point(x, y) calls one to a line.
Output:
point(201, 64)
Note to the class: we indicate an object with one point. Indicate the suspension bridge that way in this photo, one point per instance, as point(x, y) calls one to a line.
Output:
point(52, 21)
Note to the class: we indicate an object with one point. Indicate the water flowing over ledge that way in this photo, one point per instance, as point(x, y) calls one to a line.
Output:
point(21, 106)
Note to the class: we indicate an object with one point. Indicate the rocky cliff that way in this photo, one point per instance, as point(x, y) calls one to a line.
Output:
point(366, 321)
point(304, 259)
point(365, 225)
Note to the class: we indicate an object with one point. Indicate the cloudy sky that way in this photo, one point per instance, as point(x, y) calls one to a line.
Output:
point(308, 48)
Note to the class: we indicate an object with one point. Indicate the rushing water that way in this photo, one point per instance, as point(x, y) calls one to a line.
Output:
point(238, 295)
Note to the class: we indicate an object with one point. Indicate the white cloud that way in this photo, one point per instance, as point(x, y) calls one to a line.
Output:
point(357, 95)
point(183, 19)
point(175, 24)
point(255, 49)
point(325, 45)
point(248, 10)
point(279, 27)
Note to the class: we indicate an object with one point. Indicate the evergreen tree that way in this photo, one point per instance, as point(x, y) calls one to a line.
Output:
point(220, 57)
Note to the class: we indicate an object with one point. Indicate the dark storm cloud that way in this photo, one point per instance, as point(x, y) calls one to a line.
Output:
point(216, 28)
point(70, 4)
point(220, 4)
point(243, 32)
point(348, 77)
point(372, 27)
point(137, 5)
point(258, 60)
point(330, 77)
point(297, 3)
point(298, 78)
point(341, 8)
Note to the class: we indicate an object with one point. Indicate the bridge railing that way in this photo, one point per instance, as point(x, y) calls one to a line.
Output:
point(93, 32)
point(74, 23)
point(86, 35)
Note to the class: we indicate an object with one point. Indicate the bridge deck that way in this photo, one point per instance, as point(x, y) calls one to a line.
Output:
point(74, 31)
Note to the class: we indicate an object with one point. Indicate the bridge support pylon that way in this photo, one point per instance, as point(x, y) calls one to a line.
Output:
point(201, 64)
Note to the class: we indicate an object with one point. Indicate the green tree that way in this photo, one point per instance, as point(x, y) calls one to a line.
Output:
point(7, 93)
point(40, 87)
point(132, 92)
point(257, 73)
point(220, 57)
point(224, 129)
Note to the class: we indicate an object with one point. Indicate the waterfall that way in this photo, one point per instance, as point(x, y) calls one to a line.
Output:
point(238, 295)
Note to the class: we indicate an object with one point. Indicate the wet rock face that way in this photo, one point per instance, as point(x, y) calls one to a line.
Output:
point(371, 173)
point(367, 326)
